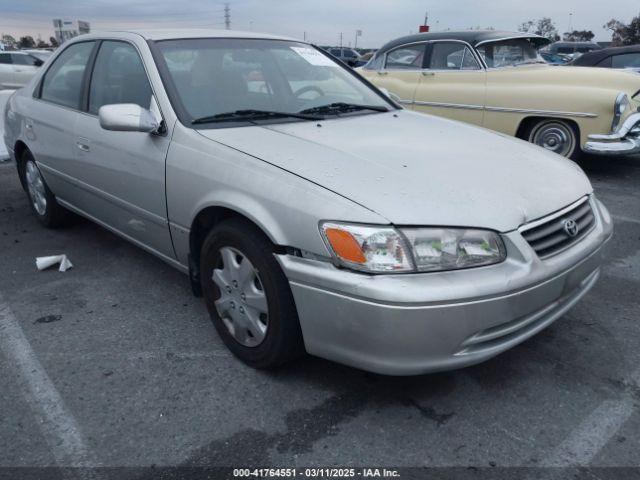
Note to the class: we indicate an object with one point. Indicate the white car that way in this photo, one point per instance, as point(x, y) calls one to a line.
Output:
point(17, 68)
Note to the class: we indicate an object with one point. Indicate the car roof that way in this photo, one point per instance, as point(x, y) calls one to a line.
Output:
point(591, 58)
point(472, 37)
point(187, 33)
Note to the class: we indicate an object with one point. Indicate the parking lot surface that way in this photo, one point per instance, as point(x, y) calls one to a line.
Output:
point(114, 363)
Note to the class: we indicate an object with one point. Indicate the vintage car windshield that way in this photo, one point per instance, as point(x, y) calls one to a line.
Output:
point(510, 53)
point(247, 80)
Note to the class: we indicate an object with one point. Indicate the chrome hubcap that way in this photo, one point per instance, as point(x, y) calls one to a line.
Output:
point(35, 185)
point(242, 304)
point(555, 137)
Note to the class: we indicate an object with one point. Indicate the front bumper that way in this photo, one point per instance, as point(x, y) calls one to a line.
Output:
point(417, 323)
point(624, 141)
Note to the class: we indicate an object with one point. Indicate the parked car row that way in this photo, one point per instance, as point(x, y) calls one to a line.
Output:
point(498, 80)
point(310, 210)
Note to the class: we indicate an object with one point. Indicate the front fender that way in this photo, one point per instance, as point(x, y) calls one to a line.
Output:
point(202, 173)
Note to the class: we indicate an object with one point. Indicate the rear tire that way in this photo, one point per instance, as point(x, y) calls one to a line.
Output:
point(42, 201)
point(248, 296)
point(555, 135)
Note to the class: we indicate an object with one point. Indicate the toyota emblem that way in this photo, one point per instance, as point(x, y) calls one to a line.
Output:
point(570, 227)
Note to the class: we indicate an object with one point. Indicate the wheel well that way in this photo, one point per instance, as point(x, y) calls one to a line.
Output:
point(200, 228)
point(527, 124)
point(19, 148)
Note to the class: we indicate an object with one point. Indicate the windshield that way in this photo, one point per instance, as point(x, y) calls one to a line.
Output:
point(230, 81)
point(510, 53)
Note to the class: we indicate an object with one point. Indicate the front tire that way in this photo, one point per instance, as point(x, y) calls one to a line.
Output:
point(43, 203)
point(248, 296)
point(558, 136)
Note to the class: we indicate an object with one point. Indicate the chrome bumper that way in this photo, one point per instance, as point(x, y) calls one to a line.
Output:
point(624, 141)
point(419, 323)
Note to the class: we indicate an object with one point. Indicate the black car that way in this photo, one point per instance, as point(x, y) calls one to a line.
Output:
point(347, 55)
point(615, 57)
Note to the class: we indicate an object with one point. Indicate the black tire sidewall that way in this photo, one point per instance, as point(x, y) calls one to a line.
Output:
point(283, 339)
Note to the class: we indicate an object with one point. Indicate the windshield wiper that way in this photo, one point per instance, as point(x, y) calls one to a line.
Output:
point(340, 107)
point(251, 114)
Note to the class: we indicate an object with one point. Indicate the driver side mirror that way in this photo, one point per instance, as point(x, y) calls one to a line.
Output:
point(127, 117)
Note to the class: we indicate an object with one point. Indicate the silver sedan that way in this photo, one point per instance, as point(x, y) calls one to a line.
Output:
point(311, 212)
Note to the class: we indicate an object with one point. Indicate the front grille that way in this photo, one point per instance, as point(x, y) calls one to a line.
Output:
point(549, 236)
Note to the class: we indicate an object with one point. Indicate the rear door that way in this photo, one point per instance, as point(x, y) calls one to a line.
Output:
point(51, 117)
point(453, 83)
point(400, 73)
point(24, 68)
point(123, 173)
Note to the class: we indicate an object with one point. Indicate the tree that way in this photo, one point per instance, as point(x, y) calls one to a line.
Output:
point(544, 27)
point(578, 36)
point(26, 42)
point(53, 42)
point(623, 34)
point(8, 40)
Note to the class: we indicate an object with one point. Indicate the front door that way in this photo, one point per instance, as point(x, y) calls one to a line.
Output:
point(123, 172)
point(453, 84)
point(400, 74)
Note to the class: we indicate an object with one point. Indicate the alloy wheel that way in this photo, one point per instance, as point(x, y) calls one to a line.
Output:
point(35, 186)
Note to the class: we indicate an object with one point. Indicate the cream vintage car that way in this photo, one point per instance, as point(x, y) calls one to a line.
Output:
point(498, 80)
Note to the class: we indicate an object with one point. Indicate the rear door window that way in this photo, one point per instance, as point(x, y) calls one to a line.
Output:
point(5, 59)
point(452, 56)
point(62, 84)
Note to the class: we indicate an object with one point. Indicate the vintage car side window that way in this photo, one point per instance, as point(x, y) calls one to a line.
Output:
point(626, 60)
point(62, 83)
point(452, 56)
point(118, 77)
point(406, 58)
point(376, 63)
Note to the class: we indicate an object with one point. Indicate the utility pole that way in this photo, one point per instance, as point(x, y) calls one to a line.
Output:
point(340, 39)
point(227, 16)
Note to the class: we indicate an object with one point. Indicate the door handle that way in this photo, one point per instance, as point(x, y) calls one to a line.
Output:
point(82, 146)
point(428, 74)
point(382, 72)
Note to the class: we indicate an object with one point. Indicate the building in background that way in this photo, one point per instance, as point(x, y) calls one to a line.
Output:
point(66, 29)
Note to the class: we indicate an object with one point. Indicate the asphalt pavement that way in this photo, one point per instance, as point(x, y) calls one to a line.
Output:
point(114, 363)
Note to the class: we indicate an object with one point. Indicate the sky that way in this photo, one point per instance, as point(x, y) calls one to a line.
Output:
point(319, 21)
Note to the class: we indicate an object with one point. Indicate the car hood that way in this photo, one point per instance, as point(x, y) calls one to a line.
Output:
point(415, 169)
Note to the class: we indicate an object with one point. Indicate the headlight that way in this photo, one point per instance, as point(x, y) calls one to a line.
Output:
point(368, 248)
point(620, 107)
point(437, 249)
point(388, 250)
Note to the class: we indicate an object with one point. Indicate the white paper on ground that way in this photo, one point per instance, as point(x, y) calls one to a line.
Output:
point(45, 262)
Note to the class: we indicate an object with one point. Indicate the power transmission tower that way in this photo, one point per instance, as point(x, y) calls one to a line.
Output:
point(227, 16)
